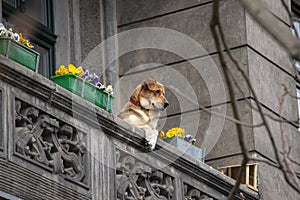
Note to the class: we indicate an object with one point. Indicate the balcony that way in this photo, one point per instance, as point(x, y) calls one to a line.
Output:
point(56, 145)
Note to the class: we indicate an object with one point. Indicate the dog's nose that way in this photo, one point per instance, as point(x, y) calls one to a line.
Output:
point(166, 104)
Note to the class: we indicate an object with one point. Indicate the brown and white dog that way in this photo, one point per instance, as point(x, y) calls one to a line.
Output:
point(144, 106)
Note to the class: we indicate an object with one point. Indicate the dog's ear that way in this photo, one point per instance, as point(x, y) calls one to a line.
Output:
point(136, 92)
point(150, 83)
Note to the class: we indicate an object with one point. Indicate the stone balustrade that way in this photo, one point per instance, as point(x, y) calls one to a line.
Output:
point(56, 145)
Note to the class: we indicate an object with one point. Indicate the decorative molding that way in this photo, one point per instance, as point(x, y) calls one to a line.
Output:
point(138, 181)
point(191, 193)
point(49, 142)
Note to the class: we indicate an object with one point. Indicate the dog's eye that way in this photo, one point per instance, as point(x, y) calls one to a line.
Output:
point(158, 92)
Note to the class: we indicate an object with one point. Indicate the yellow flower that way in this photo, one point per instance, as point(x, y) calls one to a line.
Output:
point(28, 44)
point(170, 133)
point(24, 41)
point(175, 131)
point(79, 71)
point(62, 70)
point(72, 69)
point(161, 134)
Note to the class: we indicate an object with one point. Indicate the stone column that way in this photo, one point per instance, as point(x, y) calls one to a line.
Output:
point(109, 29)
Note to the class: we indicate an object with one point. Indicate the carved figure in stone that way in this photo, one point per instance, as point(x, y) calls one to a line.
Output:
point(138, 181)
point(49, 142)
point(191, 193)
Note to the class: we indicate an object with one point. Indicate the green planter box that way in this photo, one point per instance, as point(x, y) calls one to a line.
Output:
point(186, 147)
point(19, 53)
point(83, 88)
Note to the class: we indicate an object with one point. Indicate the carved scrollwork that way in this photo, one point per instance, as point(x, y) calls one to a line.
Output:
point(138, 181)
point(49, 142)
point(191, 193)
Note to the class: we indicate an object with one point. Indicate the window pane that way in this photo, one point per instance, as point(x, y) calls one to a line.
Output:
point(44, 63)
point(37, 9)
point(235, 173)
point(226, 171)
point(251, 175)
point(13, 3)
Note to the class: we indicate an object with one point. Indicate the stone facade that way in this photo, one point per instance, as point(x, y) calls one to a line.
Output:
point(58, 146)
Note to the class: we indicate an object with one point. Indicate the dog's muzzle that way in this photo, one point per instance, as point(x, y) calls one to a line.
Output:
point(166, 104)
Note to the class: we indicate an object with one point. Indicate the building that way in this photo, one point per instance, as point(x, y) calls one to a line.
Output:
point(103, 153)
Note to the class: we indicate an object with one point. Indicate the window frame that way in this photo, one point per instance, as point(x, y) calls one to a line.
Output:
point(43, 35)
point(247, 174)
point(295, 9)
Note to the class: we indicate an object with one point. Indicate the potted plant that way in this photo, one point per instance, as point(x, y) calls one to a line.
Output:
point(15, 47)
point(186, 143)
point(80, 82)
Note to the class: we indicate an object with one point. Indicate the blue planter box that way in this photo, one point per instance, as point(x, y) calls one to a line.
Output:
point(186, 147)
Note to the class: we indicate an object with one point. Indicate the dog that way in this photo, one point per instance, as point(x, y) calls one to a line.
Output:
point(143, 108)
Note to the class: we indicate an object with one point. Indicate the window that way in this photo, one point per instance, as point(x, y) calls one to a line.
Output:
point(34, 18)
point(296, 12)
point(249, 178)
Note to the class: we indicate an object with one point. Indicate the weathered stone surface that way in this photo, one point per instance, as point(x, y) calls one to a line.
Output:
point(194, 23)
point(135, 10)
point(90, 33)
point(262, 139)
point(63, 31)
point(267, 46)
point(268, 80)
point(277, 9)
point(272, 176)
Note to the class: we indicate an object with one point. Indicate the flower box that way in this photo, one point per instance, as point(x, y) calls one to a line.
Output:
point(186, 147)
point(83, 88)
point(19, 53)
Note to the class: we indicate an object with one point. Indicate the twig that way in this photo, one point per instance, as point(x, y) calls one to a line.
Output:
point(279, 31)
point(215, 26)
point(285, 151)
point(255, 8)
point(201, 107)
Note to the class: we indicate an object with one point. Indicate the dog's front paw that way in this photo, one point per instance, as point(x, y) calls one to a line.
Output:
point(148, 146)
point(153, 139)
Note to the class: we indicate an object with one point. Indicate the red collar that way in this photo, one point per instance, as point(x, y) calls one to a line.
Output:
point(135, 102)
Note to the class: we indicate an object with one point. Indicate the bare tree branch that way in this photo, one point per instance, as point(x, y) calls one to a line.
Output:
point(285, 151)
point(201, 107)
point(280, 32)
point(215, 27)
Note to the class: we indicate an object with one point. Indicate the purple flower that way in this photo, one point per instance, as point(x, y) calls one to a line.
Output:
point(100, 85)
point(96, 79)
point(188, 138)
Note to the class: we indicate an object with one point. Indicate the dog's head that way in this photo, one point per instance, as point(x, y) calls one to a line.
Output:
point(151, 95)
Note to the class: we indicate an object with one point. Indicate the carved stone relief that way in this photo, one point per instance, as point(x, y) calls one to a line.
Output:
point(49, 143)
point(139, 181)
point(191, 193)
